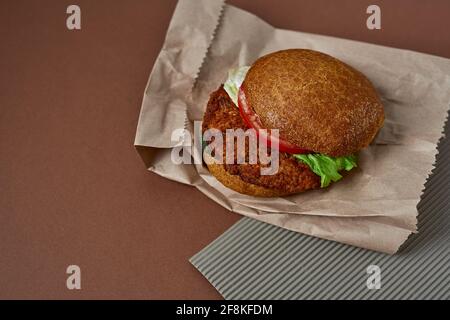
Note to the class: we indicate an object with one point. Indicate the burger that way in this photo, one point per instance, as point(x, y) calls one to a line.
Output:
point(324, 110)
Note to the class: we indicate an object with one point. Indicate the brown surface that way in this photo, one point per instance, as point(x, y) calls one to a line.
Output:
point(73, 189)
point(292, 176)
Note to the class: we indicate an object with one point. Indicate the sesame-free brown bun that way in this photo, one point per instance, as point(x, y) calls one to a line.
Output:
point(316, 101)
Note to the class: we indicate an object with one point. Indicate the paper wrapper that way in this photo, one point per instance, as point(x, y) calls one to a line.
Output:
point(373, 208)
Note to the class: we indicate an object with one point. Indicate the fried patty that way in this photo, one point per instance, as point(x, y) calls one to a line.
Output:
point(292, 176)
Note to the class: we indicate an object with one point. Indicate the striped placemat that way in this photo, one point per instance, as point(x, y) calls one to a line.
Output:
point(255, 260)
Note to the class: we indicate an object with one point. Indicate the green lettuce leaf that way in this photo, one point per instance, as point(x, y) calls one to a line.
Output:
point(327, 167)
point(234, 81)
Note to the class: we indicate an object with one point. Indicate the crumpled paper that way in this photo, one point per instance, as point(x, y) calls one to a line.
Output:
point(375, 206)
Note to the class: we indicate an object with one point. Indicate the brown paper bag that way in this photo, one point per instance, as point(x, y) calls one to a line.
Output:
point(374, 208)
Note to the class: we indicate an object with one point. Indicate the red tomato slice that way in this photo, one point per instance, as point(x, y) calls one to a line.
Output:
point(252, 120)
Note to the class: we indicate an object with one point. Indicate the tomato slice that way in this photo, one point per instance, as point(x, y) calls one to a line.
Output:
point(252, 120)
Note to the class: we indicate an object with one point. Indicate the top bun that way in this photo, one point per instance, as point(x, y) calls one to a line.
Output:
point(316, 101)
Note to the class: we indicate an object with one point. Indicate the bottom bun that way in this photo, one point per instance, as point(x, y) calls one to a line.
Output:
point(235, 183)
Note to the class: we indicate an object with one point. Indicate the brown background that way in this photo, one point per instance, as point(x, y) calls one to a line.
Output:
point(73, 189)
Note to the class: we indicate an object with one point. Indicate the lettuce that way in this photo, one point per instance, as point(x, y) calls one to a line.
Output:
point(327, 167)
point(234, 81)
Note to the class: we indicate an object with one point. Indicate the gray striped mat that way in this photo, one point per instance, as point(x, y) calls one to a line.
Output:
point(255, 260)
